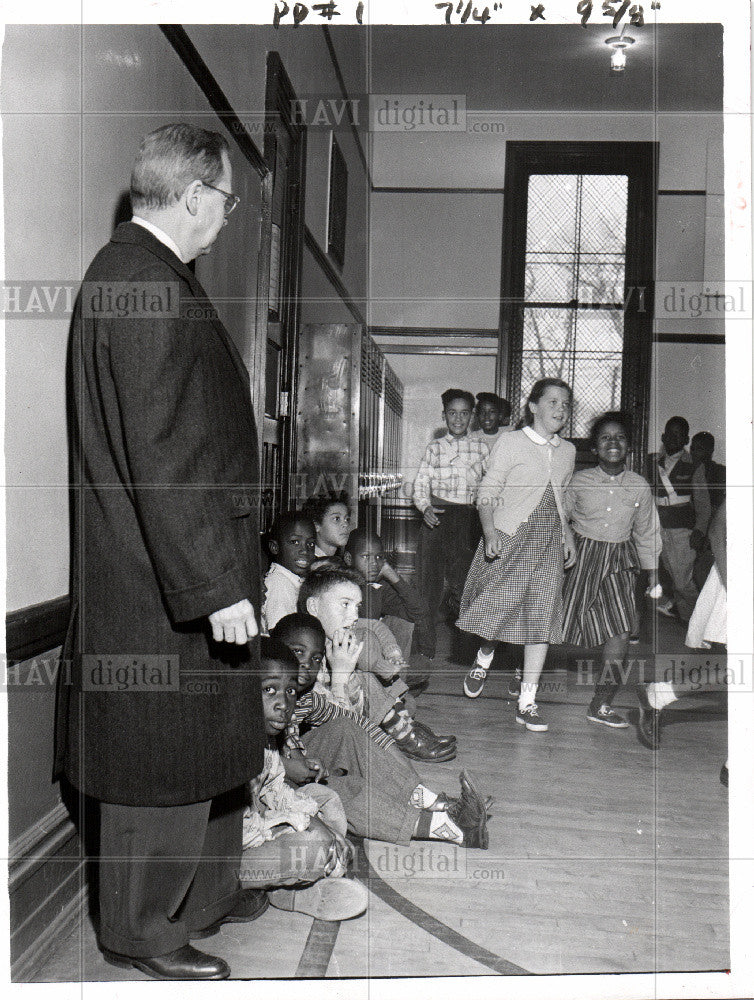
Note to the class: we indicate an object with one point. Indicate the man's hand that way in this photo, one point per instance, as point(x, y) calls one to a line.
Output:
point(234, 624)
point(430, 517)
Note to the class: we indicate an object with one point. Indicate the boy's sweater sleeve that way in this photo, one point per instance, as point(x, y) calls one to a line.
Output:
point(404, 601)
point(380, 648)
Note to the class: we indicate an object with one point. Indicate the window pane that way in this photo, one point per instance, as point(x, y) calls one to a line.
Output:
point(575, 253)
point(548, 330)
point(551, 220)
point(596, 388)
point(599, 330)
point(584, 348)
point(604, 200)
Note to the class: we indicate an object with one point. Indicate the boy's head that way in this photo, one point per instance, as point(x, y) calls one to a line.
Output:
point(492, 411)
point(305, 638)
point(675, 437)
point(327, 562)
point(332, 520)
point(457, 407)
point(279, 673)
point(333, 596)
point(702, 447)
point(291, 542)
point(364, 553)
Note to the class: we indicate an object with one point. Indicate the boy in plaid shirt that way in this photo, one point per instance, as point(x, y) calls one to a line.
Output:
point(444, 493)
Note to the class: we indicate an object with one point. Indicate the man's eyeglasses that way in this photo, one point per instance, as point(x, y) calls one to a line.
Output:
point(231, 200)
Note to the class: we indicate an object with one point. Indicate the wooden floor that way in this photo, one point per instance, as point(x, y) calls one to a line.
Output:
point(603, 856)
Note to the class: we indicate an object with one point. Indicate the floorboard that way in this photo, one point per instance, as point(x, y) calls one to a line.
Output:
point(604, 857)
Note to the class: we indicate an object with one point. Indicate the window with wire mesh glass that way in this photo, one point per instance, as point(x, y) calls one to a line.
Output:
point(575, 268)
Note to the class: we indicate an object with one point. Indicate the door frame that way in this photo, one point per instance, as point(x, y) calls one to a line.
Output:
point(280, 102)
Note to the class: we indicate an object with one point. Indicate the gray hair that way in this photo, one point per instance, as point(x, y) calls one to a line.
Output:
point(170, 158)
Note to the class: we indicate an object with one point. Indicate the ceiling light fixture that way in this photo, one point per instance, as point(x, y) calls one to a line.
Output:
point(619, 44)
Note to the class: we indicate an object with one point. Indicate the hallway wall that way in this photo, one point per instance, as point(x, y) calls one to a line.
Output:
point(76, 102)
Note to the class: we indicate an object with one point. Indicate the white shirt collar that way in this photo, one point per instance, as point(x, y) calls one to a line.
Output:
point(537, 438)
point(277, 567)
point(159, 234)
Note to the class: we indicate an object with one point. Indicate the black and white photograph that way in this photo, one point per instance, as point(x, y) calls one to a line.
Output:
point(378, 498)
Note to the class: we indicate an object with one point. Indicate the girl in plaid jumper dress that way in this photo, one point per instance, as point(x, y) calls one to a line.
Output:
point(513, 590)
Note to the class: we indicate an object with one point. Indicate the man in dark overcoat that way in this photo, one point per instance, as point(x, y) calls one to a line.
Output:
point(160, 713)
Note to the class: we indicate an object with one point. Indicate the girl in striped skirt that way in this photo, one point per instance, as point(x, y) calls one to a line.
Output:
point(613, 514)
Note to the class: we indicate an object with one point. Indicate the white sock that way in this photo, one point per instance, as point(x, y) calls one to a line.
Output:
point(660, 694)
point(423, 798)
point(442, 827)
point(484, 659)
point(528, 695)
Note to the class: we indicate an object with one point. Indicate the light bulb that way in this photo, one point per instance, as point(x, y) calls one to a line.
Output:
point(618, 60)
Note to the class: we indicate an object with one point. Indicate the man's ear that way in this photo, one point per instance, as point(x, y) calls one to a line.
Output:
point(192, 196)
point(273, 546)
point(312, 606)
point(348, 558)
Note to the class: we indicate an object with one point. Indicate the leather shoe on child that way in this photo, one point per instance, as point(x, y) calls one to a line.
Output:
point(328, 899)
point(471, 814)
point(418, 748)
point(424, 731)
point(183, 963)
point(648, 728)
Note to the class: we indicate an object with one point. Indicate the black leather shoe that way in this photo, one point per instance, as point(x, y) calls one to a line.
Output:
point(418, 748)
point(471, 814)
point(451, 804)
point(252, 904)
point(724, 775)
point(425, 732)
point(183, 963)
point(648, 728)
point(417, 683)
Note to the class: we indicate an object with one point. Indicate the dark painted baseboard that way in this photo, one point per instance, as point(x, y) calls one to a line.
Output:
point(47, 891)
point(37, 629)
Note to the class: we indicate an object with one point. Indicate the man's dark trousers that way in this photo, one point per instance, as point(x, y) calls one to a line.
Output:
point(166, 872)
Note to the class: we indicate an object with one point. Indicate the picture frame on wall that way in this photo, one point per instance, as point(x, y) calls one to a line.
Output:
point(337, 204)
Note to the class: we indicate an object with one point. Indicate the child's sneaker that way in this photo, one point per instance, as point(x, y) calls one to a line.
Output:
point(473, 682)
point(529, 716)
point(514, 686)
point(606, 717)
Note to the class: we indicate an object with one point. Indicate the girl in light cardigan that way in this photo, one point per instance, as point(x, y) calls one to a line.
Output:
point(513, 590)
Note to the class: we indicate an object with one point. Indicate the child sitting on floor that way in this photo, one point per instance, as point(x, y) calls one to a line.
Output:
point(387, 596)
point(332, 523)
point(291, 545)
point(334, 597)
point(294, 837)
point(380, 790)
